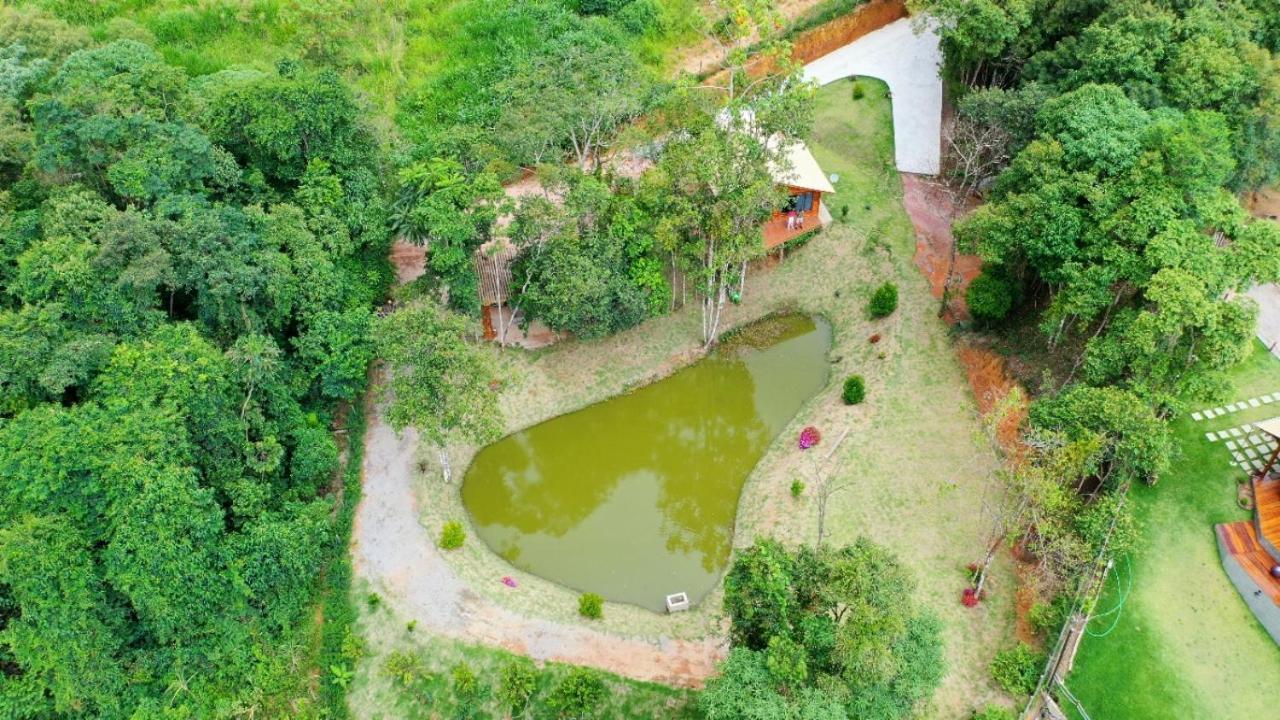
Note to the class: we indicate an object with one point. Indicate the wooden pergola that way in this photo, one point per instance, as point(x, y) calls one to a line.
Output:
point(1272, 428)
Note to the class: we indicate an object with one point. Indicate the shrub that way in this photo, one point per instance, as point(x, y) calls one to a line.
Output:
point(797, 488)
point(990, 297)
point(517, 682)
point(468, 691)
point(591, 605)
point(640, 16)
point(855, 390)
point(1048, 617)
point(1017, 669)
point(597, 7)
point(858, 90)
point(844, 212)
point(405, 668)
point(809, 437)
point(994, 712)
point(883, 301)
point(452, 536)
point(578, 695)
point(374, 599)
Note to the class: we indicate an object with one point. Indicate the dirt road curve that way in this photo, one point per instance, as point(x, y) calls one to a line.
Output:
point(395, 554)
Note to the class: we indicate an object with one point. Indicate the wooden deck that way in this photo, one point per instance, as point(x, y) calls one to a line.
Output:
point(776, 232)
point(1266, 500)
point(1242, 544)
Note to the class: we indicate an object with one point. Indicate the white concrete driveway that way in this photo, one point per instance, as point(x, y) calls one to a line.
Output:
point(1268, 299)
point(909, 62)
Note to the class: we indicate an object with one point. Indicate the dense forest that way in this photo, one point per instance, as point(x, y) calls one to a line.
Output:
point(188, 274)
point(1109, 141)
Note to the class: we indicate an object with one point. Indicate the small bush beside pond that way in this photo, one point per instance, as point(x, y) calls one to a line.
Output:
point(591, 605)
point(884, 301)
point(452, 536)
point(855, 390)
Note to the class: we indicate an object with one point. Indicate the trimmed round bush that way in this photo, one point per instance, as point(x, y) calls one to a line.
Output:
point(990, 296)
point(883, 301)
point(855, 390)
point(591, 605)
point(452, 536)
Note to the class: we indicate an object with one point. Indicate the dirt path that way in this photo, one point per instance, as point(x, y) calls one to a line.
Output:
point(392, 551)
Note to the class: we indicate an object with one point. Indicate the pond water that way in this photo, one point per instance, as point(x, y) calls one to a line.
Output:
point(635, 498)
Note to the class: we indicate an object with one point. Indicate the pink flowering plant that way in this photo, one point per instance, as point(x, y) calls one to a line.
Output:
point(809, 437)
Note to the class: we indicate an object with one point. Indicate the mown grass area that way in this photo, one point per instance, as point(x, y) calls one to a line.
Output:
point(388, 48)
point(1185, 645)
point(914, 458)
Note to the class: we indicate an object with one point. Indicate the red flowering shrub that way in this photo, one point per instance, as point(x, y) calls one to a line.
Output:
point(809, 437)
point(969, 598)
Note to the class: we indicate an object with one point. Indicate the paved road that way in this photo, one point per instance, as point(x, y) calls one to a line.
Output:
point(909, 63)
point(1268, 298)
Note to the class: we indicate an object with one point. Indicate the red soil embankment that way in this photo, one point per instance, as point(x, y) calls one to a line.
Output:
point(932, 210)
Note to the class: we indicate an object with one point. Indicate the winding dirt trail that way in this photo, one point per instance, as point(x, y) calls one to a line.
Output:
point(394, 553)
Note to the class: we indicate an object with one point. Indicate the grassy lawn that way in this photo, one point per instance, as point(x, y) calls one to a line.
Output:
point(914, 456)
point(1185, 639)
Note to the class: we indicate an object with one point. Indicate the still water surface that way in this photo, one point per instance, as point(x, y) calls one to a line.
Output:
point(635, 497)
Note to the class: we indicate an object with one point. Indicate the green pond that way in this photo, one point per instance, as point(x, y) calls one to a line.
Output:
point(634, 498)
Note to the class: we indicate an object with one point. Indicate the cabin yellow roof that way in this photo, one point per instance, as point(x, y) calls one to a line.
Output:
point(804, 171)
point(1270, 427)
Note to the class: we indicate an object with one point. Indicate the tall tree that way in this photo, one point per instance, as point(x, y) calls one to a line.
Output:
point(438, 382)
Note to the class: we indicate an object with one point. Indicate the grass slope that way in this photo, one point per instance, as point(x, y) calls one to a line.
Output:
point(388, 48)
point(1184, 638)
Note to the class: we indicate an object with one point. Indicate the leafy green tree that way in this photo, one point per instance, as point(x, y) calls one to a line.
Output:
point(571, 96)
point(1138, 445)
point(589, 266)
point(442, 207)
point(63, 641)
point(439, 382)
point(833, 630)
point(117, 115)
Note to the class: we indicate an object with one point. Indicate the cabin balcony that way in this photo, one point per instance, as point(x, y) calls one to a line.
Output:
point(776, 231)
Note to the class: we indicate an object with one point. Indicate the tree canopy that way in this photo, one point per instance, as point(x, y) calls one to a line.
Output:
point(823, 633)
point(187, 275)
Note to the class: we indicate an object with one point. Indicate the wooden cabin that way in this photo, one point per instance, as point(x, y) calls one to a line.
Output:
point(803, 211)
